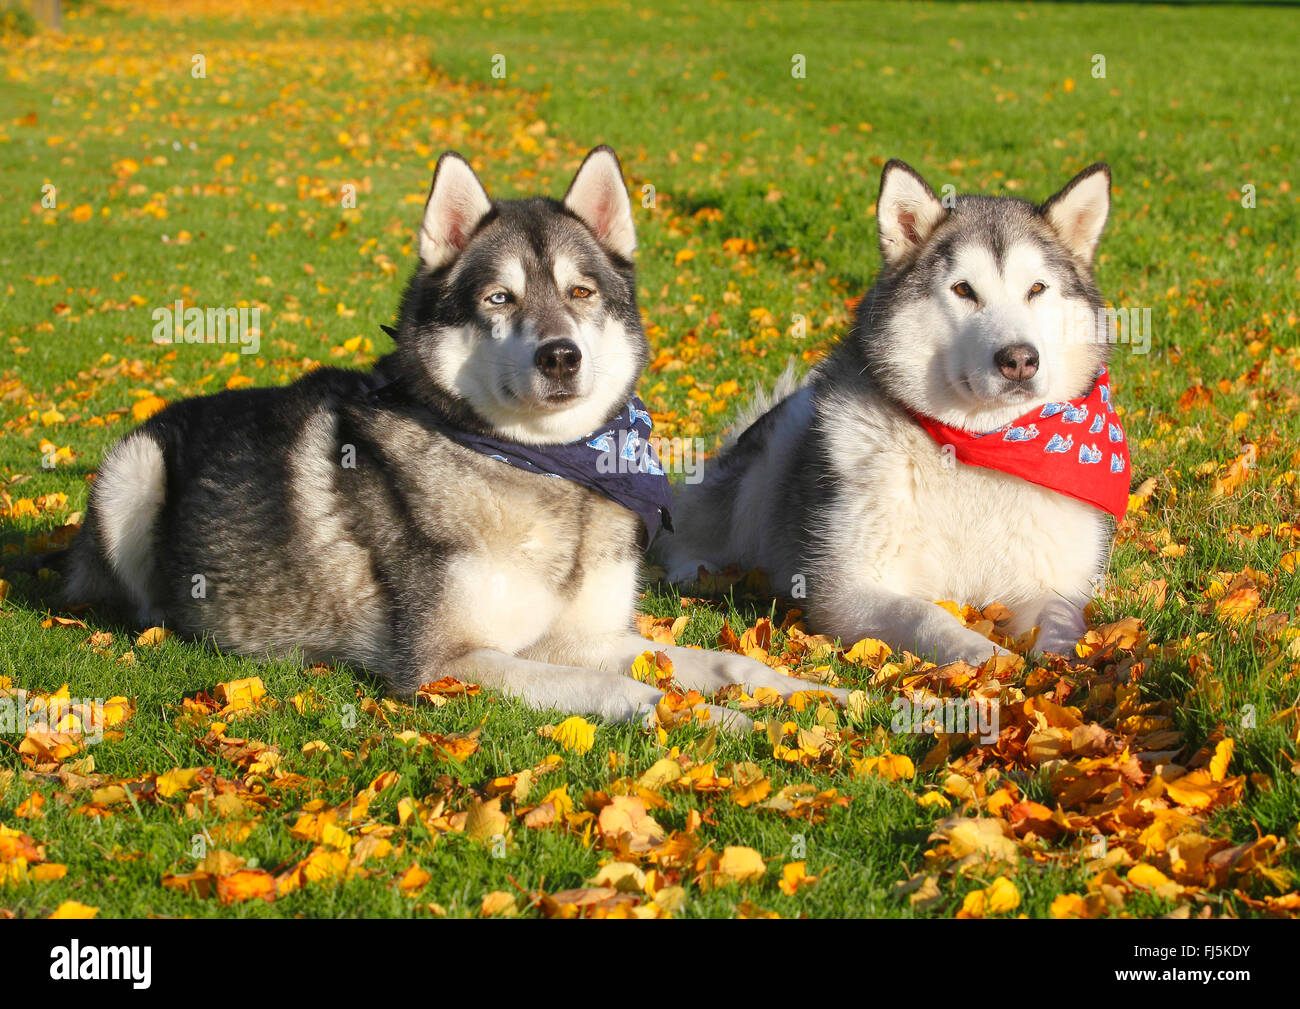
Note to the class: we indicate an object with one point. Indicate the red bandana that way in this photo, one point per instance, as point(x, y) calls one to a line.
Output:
point(1076, 448)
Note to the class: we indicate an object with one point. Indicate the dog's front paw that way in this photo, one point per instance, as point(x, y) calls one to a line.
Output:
point(1061, 625)
point(730, 721)
point(976, 650)
point(1057, 644)
point(794, 685)
point(751, 675)
point(726, 719)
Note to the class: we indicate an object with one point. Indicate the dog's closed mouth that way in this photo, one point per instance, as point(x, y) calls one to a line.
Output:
point(560, 397)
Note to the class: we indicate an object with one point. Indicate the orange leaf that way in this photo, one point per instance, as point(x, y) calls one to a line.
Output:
point(245, 884)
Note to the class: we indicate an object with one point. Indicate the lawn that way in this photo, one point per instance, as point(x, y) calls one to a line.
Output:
point(201, 150)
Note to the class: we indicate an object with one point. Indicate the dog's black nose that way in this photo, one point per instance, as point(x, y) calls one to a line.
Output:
point(1017, 361)
point(558, 358)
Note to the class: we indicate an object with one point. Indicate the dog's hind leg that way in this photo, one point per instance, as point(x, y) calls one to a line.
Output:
point(703, 537)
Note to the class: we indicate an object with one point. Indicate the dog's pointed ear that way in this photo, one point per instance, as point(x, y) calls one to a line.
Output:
point(1079, 211)
point(598, 196)
point(457, 203)
point(907, 212)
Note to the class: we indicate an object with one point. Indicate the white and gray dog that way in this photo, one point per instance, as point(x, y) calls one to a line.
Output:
point(449, 513)
point(933, 455)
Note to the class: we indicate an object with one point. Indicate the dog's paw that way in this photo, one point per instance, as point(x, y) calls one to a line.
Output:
point(977, 652)
point(730, 721)
point(793, 685)
point(1056, 644)
point(750, 675)
point(1060, 626)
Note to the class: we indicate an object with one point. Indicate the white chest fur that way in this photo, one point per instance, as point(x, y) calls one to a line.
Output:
point(926, 526)
point(531, 575)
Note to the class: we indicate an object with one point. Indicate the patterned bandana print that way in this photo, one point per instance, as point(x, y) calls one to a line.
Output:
point(617, 460)
point(1076, 448)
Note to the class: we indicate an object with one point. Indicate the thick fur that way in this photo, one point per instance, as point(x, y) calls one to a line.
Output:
point(845, 500)
point(331, 519)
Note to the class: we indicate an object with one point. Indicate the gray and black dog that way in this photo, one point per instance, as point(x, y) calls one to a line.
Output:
point(850, 488)
point(371, 518)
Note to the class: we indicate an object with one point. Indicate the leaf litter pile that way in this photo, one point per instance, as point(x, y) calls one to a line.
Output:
point(1082, 773)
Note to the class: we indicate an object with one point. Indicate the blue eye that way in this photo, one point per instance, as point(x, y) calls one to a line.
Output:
point(498, 298)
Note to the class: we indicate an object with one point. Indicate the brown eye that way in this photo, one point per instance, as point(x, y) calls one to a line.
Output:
point(1038, 288)
point(963, 290)
point(580, 292)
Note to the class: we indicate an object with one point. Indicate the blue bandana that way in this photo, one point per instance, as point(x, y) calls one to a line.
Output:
point(617, 460)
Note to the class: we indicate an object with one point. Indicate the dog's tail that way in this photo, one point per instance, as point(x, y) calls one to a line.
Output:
point(787, 384)
point(112, 560)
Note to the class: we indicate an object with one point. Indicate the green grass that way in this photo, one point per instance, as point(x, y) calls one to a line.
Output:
point(700, 103)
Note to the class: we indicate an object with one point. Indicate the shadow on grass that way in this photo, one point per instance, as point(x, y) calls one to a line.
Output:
point(44, 596)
